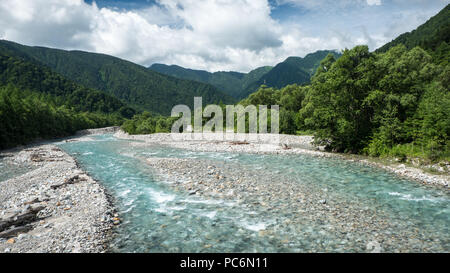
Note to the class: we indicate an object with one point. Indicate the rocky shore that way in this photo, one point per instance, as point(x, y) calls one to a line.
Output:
point(53, 206)
point(49, 204)
point(440, 180)
point(288, 144)
point(106, 130)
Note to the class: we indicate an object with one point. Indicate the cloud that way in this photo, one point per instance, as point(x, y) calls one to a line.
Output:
point(235, 23)
point(214, 35)
point(327, 4)
point(51, 23)
point(199, 33)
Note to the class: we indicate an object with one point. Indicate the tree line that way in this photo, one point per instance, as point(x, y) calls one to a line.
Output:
point(38, 103)
point(394, 103)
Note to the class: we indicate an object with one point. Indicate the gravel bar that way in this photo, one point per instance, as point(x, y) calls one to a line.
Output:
point(75, 213)
point(289, 144)
point(290, 208)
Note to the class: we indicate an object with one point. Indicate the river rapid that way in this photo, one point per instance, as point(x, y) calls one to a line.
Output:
point(159, 216)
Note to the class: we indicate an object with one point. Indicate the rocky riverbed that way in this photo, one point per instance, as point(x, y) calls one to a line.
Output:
point(288, 144)
point(290, 207)
point(53, 206)
point(49, 204)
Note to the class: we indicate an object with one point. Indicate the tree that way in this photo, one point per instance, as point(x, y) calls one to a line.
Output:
point(333, 107)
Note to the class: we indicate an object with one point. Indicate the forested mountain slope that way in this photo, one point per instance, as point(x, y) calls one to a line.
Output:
point(36, 102)
point(433, 36)
point(294, 70)
point(232, 83)
point(133, 84)
point(239, 85)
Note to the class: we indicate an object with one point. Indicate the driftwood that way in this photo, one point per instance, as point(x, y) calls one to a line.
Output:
point(36, 157)
point(19, 223)
point(15, 231)
point(239, 143)
point(35, 200)
point(72, 180)
point(285, 146)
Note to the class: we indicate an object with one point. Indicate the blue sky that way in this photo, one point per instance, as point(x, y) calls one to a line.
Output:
point(213, 35)
point(123, 4)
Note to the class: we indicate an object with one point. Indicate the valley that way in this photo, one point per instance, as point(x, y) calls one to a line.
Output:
point(351, 151)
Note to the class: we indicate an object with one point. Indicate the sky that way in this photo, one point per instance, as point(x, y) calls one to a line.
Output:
point(213, 35)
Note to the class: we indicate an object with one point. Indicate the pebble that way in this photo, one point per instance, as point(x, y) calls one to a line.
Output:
point(90, 221)
point(374, 247)
point(82, 227)
point(344, 224)
point(298, 145)
point(22, 236)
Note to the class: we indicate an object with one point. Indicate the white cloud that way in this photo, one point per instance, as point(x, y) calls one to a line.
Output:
point(204, 34)
point(51, 23)
point(315, 4)
point(192, 33)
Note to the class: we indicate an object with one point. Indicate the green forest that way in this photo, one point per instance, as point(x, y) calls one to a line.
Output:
point(433, 36)
point(293, 70)
point(148, 123)
point(38, 103)
point(135, 85)
point(380, 104)
point(232, 83)
point(392, 102)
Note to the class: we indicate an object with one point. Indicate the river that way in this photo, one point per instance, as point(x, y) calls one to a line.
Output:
point(155, 218)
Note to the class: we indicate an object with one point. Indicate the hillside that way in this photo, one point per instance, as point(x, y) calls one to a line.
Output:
point(254, 76)
point(433, 36)
point(36, 102)
point(294, 70)
point(231, 83)
point(132, 83)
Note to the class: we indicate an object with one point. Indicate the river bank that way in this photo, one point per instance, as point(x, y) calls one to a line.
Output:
point(289, 206)
point(74, 213)
point(53, 206)
point(288, 144)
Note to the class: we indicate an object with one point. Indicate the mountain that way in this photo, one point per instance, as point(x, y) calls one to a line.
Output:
point(133, 84)
point(231, 83)
point(240, 85)
point(26, 75)
point(36, 102)
point(253, 76)
point(293, 70)
point(181, 72)
point(433, 36)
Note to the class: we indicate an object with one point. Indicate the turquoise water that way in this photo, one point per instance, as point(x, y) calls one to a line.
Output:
point(157, 219)
point(9, 169)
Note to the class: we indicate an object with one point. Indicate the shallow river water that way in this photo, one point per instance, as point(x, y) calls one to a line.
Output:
point(158, 219)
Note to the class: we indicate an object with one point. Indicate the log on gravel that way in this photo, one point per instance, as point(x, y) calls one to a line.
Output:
point(20, 220)
point(72, 180)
